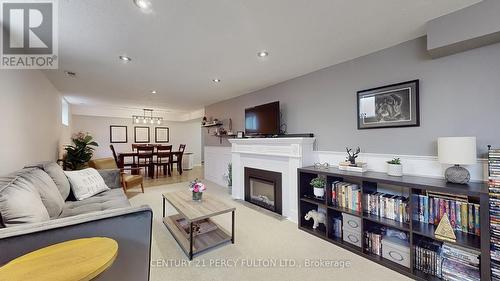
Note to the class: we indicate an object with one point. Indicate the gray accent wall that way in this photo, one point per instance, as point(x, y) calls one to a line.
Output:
point(459, 96)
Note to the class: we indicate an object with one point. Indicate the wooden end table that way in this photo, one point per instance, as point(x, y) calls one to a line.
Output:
point(75, 260)
point(193, 215)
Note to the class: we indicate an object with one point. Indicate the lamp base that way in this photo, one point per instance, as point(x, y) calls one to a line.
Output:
point(457, 174)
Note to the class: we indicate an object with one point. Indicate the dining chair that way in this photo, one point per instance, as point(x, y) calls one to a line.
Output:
point(145, 158)
point(178, 159)
point(163, 155)
point(118, 161)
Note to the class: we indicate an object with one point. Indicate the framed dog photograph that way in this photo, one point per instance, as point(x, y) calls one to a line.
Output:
point(389, 106)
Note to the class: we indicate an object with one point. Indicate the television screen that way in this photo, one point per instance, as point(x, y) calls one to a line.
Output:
point(263, 119)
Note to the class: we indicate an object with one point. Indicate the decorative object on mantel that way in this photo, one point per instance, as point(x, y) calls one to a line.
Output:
point(457, 151)
point(389, 106)
point(318, 184)
point(325, 165)
point(147, 118)
point(229, 177)
point(352, 157)
point(240, 134)
point(394, 167)
point(444, 231)
point(350, 163)
point(230, 132)
point(197, 188)
point(317, 217)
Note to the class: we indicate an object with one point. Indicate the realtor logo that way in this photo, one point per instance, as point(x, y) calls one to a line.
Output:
point(29, 34)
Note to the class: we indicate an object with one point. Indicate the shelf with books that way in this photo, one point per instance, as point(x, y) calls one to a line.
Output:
point(345, 210)
point(394, 191)
point(463, 238)
point(494, 208)
point(387, 222)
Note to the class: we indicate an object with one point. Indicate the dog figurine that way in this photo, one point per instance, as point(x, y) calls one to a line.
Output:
point(316, 216)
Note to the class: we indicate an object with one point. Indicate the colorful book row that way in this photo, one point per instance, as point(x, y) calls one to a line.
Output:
point(346, 195)
point(389, 206)
point(463, 216)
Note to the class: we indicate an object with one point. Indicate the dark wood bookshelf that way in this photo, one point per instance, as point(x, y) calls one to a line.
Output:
point(368, 181)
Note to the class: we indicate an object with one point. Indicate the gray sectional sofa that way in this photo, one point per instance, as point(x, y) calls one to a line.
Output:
point(37, 210)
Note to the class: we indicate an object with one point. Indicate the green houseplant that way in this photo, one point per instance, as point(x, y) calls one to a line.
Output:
point(394, 167)
point(80, 153)
point(318, 185)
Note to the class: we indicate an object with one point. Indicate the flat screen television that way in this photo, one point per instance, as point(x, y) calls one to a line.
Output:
point(263, 119)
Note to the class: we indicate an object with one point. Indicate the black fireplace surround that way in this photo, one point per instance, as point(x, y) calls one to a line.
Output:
point(263, 188)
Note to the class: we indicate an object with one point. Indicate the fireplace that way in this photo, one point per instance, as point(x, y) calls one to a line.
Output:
point(263, 188)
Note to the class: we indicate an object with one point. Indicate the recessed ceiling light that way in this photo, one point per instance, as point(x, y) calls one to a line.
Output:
point(154, 92)
point(262, 54)
point(124, 58)
point(143, 4)
point(70, 73)
point(216, 80)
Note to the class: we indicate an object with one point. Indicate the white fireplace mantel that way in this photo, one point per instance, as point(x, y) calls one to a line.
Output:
point(282, 155)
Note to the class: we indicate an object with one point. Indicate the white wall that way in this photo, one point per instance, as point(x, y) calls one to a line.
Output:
point(188, 133)
point(217, 158)
point(31, 119)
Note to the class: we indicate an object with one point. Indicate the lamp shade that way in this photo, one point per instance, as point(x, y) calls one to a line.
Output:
point(457, 150)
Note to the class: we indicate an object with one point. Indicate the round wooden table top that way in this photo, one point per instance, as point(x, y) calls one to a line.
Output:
point(75, 260)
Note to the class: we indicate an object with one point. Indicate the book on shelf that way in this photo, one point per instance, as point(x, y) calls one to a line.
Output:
point(428, 257)
point(346, 195)
point(460, 263)
point(388, 206)
point(494, 205)
point(464, 216)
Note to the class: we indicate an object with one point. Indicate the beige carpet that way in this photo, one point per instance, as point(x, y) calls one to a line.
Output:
point(265, 249)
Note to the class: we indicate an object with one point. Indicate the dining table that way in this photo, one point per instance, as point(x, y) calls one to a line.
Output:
point(151, 171)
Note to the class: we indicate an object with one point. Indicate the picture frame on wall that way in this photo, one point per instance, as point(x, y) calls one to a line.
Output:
point(390, 106)
point(162, 135)
point(141, 134)
point(118, 134)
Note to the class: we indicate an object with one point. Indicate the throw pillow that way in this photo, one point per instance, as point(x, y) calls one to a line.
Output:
point(57, 174)
point(86, 183)
point(49, 193)
point(20, 202)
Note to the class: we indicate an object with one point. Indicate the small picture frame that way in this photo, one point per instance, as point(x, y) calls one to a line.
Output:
point(141, 134)
point(240, 134)
point(162, 135)
point(118, 134)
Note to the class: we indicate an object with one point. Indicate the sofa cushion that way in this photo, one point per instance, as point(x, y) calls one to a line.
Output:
point(111, 199)
point(20, 201)
point(49, 193)
point(86, 183)
point(57, 174)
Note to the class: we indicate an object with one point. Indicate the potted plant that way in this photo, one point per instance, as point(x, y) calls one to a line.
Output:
point(229, 176)
point(318, 184)
point(80, 153)
point(197, 188)
point(394, 167)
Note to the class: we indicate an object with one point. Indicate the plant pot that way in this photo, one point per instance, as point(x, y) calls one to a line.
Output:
point(319, 192)
point(197, 196)
point(394, 170)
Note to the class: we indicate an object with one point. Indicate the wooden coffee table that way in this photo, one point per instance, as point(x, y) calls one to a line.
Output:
point(192, 228)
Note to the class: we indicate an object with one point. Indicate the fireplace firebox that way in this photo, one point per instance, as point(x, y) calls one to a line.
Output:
point(263, 188)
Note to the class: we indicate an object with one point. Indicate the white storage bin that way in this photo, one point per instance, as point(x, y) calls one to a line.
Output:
point(351, 223)
point(396, 250)
point(187, 161)
point(352, 237)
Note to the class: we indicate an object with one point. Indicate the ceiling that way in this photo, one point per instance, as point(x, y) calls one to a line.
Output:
point(181, 45)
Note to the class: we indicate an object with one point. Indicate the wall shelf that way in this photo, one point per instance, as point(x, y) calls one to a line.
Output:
point(368, 181)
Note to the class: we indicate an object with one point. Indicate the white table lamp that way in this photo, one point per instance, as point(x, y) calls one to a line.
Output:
point(457, 151)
